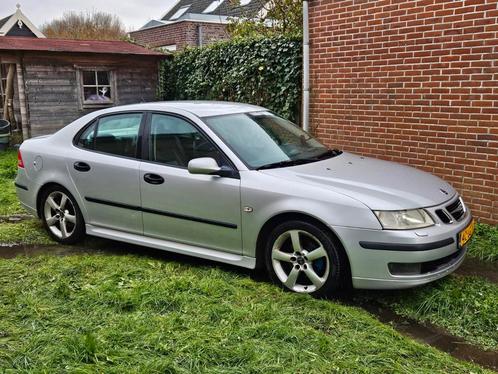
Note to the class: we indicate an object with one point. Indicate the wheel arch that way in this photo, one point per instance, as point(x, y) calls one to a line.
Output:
point(274, 221)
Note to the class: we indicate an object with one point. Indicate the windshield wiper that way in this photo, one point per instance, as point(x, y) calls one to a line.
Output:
point(285, 163)
point(327, 154)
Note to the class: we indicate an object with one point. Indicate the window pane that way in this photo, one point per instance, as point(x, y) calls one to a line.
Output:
point(90, 93)
point(97, 95)
point(103, 78)
point(89, 78)
point(175, 142)
point(87, 137)
point(263, 138)
point(118, 134)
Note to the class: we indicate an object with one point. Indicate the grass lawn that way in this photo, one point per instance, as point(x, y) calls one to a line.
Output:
point(8, 170)
point(110, 313)
point(25, 232)
point(464, 306)
point(484, 245)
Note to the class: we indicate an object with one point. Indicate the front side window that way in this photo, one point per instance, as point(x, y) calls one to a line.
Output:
point(174, 141)
point(264, 140)
point(115, 134)
point(97, 87)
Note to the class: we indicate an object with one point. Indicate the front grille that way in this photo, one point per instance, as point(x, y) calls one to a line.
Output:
point(443, 216)
point(456, 209)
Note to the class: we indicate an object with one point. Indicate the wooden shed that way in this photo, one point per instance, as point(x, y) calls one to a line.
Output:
point(48, 83)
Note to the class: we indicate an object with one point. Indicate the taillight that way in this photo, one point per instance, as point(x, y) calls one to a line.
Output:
point(20, 162)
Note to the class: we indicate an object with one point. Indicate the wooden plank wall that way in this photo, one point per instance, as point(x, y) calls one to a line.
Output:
point(53, 91)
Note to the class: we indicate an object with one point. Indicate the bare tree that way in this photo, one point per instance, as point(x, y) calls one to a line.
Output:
point(92, 26)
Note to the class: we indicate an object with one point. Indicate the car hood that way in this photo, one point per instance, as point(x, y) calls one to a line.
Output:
point(381, 185)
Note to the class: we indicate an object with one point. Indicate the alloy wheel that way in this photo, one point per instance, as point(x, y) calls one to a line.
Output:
point(60, 214)
point(300, 261)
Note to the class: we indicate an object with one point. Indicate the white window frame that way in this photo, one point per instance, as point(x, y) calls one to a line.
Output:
point(81, 87)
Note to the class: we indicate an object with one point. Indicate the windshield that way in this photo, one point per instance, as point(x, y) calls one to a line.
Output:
point(264, 140)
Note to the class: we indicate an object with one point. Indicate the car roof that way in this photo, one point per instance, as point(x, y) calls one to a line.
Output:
point(198, 108)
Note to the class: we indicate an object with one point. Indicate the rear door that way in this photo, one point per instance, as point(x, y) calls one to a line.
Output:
point(105, 170)
point(201, 210)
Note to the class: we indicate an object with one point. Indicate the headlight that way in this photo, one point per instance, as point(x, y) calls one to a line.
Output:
point(404, 219)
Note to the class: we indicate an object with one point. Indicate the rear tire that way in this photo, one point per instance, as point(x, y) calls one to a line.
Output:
point(302, 257)
point(61, 215)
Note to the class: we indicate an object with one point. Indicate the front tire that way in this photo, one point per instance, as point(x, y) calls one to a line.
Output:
point(61, 216)
point(302, 257)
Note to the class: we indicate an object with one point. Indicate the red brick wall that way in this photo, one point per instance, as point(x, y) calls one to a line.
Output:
point(180, 33)
point(413, 81)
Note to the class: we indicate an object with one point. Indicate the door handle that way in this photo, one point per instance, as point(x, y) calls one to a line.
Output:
point(82, 166)
point(153, 179)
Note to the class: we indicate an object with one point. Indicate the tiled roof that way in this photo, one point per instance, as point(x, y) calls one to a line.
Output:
point(224, 9)
point(3, 21)
point(75, 46)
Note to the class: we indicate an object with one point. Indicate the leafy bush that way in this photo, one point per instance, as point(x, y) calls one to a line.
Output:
point(259, 71)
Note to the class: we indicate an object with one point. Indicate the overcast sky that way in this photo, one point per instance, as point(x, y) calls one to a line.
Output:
point(133, 13)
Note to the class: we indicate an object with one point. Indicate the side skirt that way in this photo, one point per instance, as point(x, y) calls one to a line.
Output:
point(170, 246)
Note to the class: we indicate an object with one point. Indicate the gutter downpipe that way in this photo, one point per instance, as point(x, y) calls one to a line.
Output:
point(306, 67)
point(200, 36)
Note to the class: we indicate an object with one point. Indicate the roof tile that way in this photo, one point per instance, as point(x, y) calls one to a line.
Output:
point(8, 43)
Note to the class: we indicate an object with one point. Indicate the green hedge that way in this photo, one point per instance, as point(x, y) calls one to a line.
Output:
point(264, 72)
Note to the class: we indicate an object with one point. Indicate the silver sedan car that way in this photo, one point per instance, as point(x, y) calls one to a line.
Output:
point(235, 183)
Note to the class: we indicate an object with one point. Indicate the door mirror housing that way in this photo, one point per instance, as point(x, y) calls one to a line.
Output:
point(209, 166)
point(204, 165)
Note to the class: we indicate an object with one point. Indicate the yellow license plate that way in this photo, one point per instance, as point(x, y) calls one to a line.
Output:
point(465, 235)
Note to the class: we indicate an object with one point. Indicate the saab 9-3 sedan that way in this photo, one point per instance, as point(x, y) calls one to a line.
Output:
point(236, 183)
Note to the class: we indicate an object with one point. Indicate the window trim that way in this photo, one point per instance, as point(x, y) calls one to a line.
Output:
point(96, 120)
point(146, 142)
point(81, 86)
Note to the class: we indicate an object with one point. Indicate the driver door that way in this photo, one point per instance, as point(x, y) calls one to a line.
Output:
point(200, 210)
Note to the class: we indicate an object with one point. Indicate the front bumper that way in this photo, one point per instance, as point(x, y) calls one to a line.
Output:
point(376, 256)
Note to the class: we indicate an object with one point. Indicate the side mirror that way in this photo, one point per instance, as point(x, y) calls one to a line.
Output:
point(209, 166)
point(205, 165)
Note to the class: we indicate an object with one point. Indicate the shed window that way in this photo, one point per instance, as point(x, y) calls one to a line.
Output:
point(97, 87)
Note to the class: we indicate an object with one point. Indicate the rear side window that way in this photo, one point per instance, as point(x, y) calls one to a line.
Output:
point(116, 135)
point(87, 137)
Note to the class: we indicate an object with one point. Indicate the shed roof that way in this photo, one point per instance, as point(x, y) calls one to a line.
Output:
point(10, 43)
